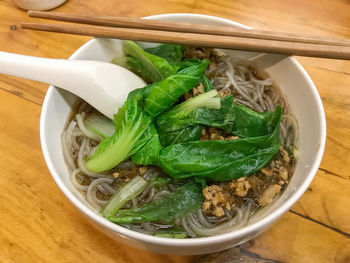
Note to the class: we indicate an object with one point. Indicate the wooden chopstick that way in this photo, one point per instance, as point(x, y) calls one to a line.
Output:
point(184, 27)
point(194, 39)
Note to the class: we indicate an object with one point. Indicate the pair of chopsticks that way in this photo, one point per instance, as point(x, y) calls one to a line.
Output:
point(225, 37)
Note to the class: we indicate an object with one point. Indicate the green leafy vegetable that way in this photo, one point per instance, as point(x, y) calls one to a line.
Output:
point(208, 100)
point(146, 149)
point(190, 122)
point(160, 96)
point(187, 134)
point(221, 160)
point(180, 124)
point(124, 194)
point(249, 123)
point(202, 181)
point(150, 67)
point(234, 119)
point(178, 204)
point(164, 94)
point(189, 63)
point(172, 53)
point(206, 83)
point(99, 124)
point(131, 123)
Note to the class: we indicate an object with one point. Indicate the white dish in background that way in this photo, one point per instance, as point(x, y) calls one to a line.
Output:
point(300, 93)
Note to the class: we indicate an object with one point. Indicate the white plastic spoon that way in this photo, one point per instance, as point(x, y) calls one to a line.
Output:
point(103, 85)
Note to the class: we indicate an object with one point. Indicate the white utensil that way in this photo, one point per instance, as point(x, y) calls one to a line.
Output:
point(38, 4)
point(103, 85)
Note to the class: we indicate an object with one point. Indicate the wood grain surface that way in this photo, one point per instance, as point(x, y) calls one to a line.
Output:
point(38, 224)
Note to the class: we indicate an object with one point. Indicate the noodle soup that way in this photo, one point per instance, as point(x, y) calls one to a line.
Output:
point(217, 201)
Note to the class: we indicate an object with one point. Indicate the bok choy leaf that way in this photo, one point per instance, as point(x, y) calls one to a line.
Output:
point(178, 204)
point(221, 160)
point(187, 134)
point(146, 149)
point(162, 95)
point(124, 194)
point(207, 100)
point(131, 123)
point(206, 83)
point(249, 123)
point(180, 124)
point(234, 119)
point(149, 67)
point(100, 124)
point(172, 53)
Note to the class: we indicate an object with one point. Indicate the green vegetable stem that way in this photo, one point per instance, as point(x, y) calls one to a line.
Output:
point(124, 194)
point(131, 123)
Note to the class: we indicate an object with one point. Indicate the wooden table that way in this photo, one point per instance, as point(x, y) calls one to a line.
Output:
point(38, 224)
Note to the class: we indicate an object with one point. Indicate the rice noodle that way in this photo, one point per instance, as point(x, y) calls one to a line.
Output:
point(239, 220)
point(260, 91)
point(144, 193)
point(151, 173)
point(244, 95)
point(81, 156)
point(266, 82)
point(91, 192)
point(150, 197)
point(86, 132)
point(74, 181)
point(67, 145)
point(269, 103)
point(187, 228)
point(203, 220)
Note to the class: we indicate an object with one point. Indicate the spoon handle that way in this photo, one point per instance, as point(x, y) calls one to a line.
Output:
point(51, 71)
point(103, 85)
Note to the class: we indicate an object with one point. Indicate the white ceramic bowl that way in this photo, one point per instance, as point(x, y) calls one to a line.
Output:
point(300, 93)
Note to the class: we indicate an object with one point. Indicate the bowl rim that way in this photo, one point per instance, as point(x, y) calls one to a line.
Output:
point(202, 241)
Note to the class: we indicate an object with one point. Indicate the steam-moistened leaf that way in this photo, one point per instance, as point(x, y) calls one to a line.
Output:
point(232, 118)
point(146, 149)
point(162, 95)
point(187, 134)
point(189, 63)
point(206, 84)
point(177, 121)
point(249, 123)
point(221, 160)
point(149, 67)
point(178, 204)
point(131, 123)
point(207, 100)
point(172, 53)
point(180, 124)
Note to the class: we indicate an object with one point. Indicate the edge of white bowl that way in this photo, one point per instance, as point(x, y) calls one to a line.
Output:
point(195, 241)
